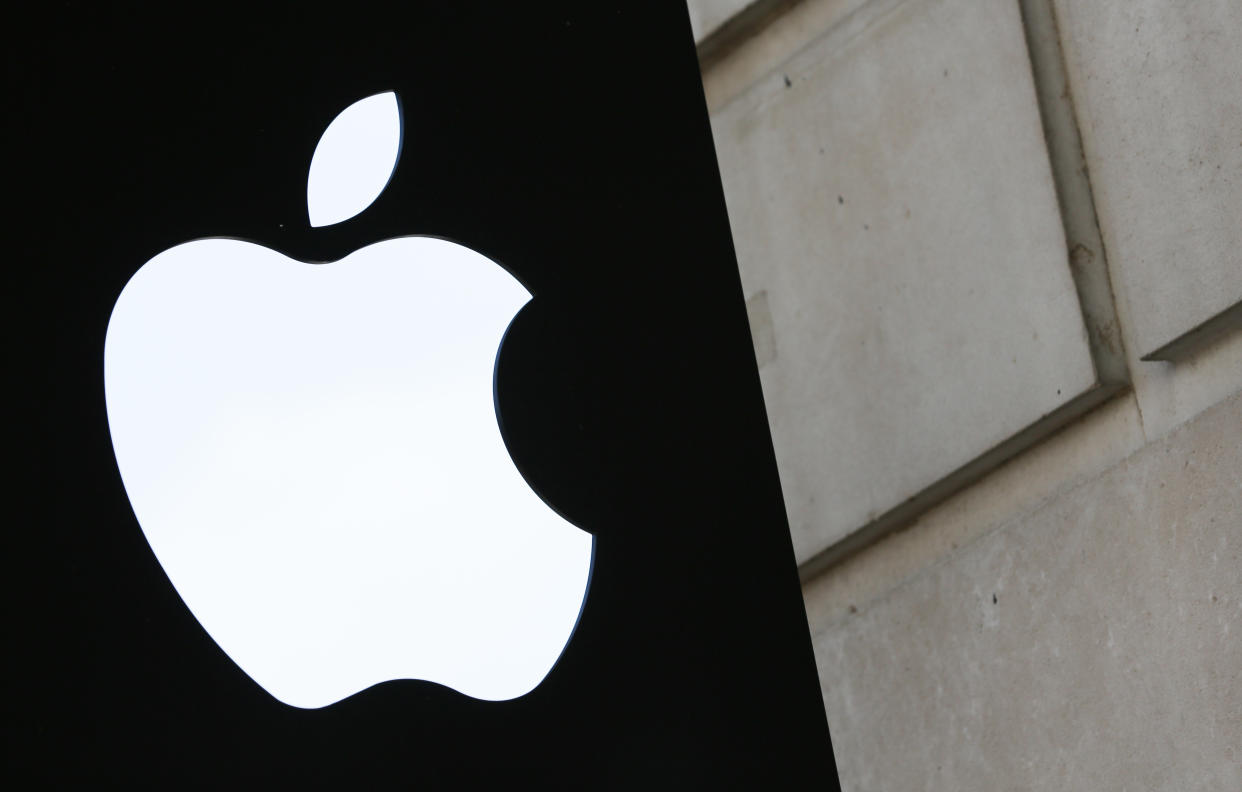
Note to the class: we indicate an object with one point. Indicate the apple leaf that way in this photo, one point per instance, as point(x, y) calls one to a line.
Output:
point(354, 160)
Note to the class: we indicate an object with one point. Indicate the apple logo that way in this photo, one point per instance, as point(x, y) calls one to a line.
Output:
point(312, 452)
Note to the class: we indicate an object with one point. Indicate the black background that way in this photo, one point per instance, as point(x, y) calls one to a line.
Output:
point(570, 144)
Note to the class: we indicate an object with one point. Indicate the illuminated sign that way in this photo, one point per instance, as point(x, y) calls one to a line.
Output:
point(445, 467)
point(312, 451)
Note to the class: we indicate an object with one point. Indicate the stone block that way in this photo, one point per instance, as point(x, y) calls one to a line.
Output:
point(892, 201)
point(1094, 644)
point(1157, 90)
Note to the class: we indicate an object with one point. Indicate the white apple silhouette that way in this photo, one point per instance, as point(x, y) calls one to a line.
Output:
point(313, 454)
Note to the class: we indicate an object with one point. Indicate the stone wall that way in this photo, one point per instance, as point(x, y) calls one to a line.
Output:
point(992, 252)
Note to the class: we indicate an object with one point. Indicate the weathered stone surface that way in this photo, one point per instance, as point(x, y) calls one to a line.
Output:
point(1081, 452)
point(890, 191)
point(706, 16)
point(1156, 86)
point(1095, 644)
point(1170, 393)
point(786, 27)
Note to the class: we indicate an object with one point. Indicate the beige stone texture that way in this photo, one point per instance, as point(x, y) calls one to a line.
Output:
point(1079, 452)
point(1111, 539)
point(1158, 89)
point(1094, 643)
point(751, 57)
point(1171, 392)
point(892, 200)
point(707, 16)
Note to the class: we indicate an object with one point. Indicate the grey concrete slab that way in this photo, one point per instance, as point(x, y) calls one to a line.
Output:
point(1158, 89)
point(1094, 644)
point(891, 194)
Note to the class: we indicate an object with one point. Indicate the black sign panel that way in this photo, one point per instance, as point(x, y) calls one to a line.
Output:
point(569, 143)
